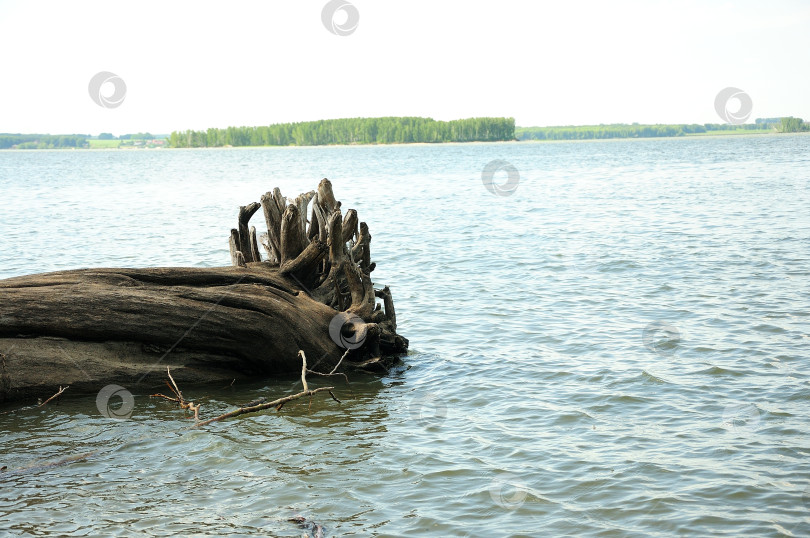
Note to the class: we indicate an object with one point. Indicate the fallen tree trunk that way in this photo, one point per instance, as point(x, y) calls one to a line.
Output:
point(91, 327)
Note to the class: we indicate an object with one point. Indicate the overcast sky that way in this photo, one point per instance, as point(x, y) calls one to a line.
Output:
point(198, 65)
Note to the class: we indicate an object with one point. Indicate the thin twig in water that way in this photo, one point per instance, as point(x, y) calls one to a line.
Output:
point(175, 400)
point(260, 404)
point(174, 386)
point(61, 390)
point(59, 393)
point(179, 397)
point(275, 403)
point(340, 361)
point(278, 403)
point(333, 372)
point(303, 370)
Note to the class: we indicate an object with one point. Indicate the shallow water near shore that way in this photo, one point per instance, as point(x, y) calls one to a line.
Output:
point(620, 347)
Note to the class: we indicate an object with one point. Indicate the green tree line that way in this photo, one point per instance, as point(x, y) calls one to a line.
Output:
point(136, 136)
point(624, 130)
point(389, 130)
point(39, 141)
point(792, 125)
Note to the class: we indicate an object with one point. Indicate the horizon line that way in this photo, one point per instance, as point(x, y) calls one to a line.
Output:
point(731, 125)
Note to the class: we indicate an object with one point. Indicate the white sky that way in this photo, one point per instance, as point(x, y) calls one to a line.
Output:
point(198, 65)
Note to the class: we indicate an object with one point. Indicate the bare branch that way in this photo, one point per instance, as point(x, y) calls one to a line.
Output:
point(179, 400)
point(340, 361)
point(61, 390)
point(275, 403)
point(59, 393)
point(303, 370)
point(176, 389)
point(279, 403)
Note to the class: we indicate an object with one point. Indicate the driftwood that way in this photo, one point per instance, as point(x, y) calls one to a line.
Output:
point(90, 327)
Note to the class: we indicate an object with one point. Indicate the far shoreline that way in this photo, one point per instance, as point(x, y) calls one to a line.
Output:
point(727, 134)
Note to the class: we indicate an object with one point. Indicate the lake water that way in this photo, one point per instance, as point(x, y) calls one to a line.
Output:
point(619, 348)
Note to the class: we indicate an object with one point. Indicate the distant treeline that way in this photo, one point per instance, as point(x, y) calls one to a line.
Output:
point(391, 130)
point(792, 125)
point(623, 130)
point(136, 136)
point(398, 130)
point(635, 130)
point(39, 141)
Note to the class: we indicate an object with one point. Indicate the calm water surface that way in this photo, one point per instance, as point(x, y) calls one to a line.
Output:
point(617, 349)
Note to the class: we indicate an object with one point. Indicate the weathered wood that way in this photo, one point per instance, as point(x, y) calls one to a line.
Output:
point(90, 327)
point(293, 237)
point(234, 246)
point(245, 214)
point(264, 239)
point(321, 218)
point(273, 204)
point(314, 223)
point(240, 319)
point(331, 286)
point(305, 265)
point(324, 205)
point(362, 297)
point(254, 245)
point(326, 197)
point(301, 202)
point(388, 302)
point(349, 225)
point(335, 239)
point(361, 252)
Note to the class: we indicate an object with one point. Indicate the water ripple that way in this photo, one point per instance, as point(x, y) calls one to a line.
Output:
point(616, 349)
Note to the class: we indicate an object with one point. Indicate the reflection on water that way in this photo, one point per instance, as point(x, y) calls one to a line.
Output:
point(615, 348)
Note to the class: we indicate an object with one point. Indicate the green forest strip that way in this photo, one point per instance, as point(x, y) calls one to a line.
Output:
point(391, 130)
point(39, 141)
point(46, 141)
point(635, 130)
